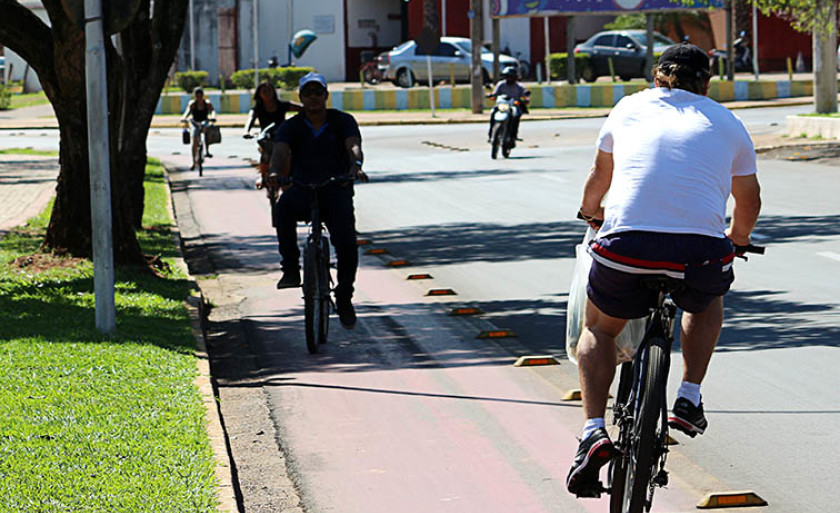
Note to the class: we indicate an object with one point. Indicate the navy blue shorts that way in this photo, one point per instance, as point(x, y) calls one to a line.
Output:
point(622, 260)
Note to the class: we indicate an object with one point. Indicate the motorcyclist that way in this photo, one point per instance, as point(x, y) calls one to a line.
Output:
point(510, 87)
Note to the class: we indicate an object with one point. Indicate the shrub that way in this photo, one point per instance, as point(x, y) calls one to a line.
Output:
point(282, 78)
point(189, 80)
point(557, 64)
point(5, 97)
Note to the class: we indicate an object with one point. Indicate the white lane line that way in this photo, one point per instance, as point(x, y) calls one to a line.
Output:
point(830, 254)
point(757, 236)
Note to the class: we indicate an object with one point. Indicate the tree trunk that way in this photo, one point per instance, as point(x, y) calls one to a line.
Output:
point(825, 64)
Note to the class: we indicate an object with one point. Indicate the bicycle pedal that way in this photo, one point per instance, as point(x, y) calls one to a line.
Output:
point(591, 490)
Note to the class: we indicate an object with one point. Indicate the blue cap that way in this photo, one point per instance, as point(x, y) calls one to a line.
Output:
point(312, 77)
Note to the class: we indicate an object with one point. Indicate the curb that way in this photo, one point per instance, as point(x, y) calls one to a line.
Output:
point(226, 488)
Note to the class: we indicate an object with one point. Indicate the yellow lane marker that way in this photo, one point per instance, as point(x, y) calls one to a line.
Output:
point(376, 251)
point(572, 395)
point(363, 242)
point(496, 334)
point(398, 263)
point(528, 361)
point(731, 500)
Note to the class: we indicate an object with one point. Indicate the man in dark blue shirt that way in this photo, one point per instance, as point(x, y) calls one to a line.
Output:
point(316, 144)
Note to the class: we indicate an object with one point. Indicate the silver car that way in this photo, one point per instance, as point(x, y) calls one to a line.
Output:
point(405, 64)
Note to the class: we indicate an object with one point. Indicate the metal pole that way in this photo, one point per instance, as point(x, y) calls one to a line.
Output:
point(730, 52)
point(476, 68)
point(496, 43)
point(571, 72)
point(443, 17)
point(96, 82)
point(192, 38)
point(256, 46)
point(649, 43)
point(755, 40)
point(547, 52)
point(431, 84)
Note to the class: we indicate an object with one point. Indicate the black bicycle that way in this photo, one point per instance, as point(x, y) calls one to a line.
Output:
point(199, 158)
point(317, 279)
point(640, 409)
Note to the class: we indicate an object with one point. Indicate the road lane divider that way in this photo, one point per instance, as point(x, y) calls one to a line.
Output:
point(419, 277)
point(730, 500)
point(397, 263)
point(376, 251)
point(496, 334)
point(363, 242)
point(830, 255)
point(466, 310)
point(531, 361)
point(441, 292)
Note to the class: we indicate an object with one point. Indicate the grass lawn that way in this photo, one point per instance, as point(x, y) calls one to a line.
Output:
point(28, 100)
point(28, 151)
point(91, 422)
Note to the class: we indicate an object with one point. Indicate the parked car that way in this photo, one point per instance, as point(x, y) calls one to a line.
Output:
point(405, 64)
point(628, 51)
point(2, 69)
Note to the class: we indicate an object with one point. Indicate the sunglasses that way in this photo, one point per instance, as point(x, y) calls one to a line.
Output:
point(313, 92)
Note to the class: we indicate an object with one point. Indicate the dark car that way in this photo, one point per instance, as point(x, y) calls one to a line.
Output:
point(627, 49)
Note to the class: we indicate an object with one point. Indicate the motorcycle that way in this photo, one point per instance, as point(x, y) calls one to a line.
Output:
point(743, 56)
point(506, 112)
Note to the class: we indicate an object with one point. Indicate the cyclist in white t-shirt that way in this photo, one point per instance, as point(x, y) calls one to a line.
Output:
point(670, 157)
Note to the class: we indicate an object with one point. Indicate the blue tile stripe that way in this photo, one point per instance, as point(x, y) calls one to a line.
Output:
point(742, 91)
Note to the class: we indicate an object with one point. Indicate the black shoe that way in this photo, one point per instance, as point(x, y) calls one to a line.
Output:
point(592, 454)
point(346, 312)
point(208, 155)
point(290, 279)
point(688, 418)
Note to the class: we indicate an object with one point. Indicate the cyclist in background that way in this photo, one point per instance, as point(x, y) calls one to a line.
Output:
point(670, 158)
point(322, 143)
point(199, 110)
point(510, 87)
point(268, 108)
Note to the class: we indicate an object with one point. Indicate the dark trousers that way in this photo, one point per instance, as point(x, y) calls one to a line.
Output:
point(336, 204)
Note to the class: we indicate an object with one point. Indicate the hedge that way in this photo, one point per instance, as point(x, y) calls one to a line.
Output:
point(189, 80)
point(287, 78)
point(557, 64)
point(5, 97)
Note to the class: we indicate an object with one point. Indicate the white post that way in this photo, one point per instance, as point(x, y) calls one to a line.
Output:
point(431, 84)
point(547, 52)
point(192, 38)
point(755, 40)
point(100, 168)
point(256, 48)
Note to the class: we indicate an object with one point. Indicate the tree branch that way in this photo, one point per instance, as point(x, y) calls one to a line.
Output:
point(26, 35)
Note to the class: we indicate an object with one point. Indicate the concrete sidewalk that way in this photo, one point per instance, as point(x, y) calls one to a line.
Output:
point(26, 185)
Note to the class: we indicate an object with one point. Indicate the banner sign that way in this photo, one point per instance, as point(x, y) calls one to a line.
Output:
point(501, 8)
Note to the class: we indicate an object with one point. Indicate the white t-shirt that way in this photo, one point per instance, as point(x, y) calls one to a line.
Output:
point(674, 155)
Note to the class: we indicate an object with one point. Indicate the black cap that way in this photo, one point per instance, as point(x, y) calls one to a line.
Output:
point(686, 54)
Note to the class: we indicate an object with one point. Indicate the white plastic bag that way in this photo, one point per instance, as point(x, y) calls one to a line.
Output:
point(630, 337)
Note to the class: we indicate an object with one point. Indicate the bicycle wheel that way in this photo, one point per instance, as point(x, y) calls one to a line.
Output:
point(311, 291)
point(642, 454)
point(496, 140)
point(324, 291)
point(617, 471)
point(200, 157)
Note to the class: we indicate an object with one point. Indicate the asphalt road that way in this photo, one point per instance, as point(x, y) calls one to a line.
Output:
point(410, 412)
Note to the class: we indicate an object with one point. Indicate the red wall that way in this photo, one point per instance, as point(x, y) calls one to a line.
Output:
point(777, 40)
point(556, 37)
point(457, 23)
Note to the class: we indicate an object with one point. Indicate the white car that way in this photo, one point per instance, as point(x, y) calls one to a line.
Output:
point(405, 64)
